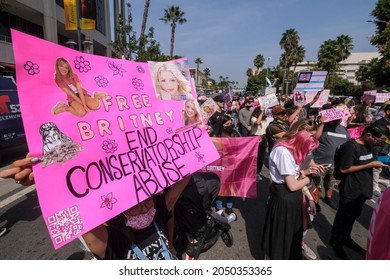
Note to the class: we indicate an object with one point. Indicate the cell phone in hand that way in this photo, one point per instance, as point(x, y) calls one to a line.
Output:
point(327, 165)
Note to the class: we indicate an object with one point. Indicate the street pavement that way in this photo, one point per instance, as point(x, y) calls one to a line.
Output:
point(27, 237)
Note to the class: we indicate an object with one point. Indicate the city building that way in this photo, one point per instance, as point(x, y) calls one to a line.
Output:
point(199, 78)
point(348, 67)
point(46, 20)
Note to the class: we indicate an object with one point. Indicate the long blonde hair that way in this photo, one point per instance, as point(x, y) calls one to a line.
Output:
point(184, 86)
point(57, 74)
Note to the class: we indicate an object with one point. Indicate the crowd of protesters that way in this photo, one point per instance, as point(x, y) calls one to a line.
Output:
point(298, 145)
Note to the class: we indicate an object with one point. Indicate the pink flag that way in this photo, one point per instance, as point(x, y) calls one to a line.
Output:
point(237, 166)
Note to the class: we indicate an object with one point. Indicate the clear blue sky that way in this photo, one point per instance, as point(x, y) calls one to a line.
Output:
point(228, 34)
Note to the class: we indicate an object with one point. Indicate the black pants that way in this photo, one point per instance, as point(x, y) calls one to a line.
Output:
point(349, 210)
point(261, 154)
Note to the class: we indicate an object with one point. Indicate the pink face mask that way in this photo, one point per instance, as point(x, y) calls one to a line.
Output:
point(141, 221)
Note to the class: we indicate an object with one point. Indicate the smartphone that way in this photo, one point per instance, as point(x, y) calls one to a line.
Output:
point(327, 165)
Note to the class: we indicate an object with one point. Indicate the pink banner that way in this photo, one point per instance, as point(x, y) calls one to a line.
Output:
point(237, 165)
point(124, 145)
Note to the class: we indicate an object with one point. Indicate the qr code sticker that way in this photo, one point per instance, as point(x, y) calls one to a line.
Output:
point(65, 224)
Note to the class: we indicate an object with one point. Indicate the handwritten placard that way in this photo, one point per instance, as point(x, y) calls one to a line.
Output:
point(268, 100)
point(334, 114)
point(382, 97)
point(99, 159)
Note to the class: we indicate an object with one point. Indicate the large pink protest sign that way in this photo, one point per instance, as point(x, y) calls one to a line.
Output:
point(127, 145)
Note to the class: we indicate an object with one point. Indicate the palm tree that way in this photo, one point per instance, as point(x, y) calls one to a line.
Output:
point(289, 41)
point(258, 62)
point(297, 56)
point(249, 72)
point(328, 56)
point(143, 26)
point(173, 15)
point(206, 72)
point(345, 45)
point(197, 61)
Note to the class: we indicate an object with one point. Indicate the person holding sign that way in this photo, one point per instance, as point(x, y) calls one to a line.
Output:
point(138, 233)
point(170, 83)
point(79, 102)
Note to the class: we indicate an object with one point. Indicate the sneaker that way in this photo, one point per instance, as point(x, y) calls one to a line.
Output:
point(338, 249)
point(3, 231)
point(230, 214)
point(309, 253)
point(331, 204)
point(59, 108)
point(350, 243)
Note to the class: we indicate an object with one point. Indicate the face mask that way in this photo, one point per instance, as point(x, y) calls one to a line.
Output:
point(141, 221)
point(228, 128)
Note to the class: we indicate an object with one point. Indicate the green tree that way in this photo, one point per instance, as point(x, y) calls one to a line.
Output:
point(289, 42)
point(143, 25)
point(175, 16)
point(151, 50)
point(328, 56)
point(379, 69)
point(249, 72)
point(345, 45)
point(258, 62)
point(207, 73)
point(125, 44)
point(198, 61)
point(297, 56)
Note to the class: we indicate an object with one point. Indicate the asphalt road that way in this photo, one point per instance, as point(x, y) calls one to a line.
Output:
point(27, 237)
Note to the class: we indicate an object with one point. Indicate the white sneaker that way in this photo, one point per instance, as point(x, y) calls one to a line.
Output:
point(309, 253)
point(3, 231)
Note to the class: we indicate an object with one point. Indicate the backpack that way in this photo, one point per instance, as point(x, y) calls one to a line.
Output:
point(337, 156)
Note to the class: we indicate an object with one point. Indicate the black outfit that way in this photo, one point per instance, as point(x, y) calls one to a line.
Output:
point(355, 188)
point(284, 218)
point(262, 150)
point(215, 122)
point(148, 240)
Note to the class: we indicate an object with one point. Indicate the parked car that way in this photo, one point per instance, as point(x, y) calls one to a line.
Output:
point(11, 124)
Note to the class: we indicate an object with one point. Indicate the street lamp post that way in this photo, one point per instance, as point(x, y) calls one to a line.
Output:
point(268, 59)
point(287, 81)
point(382, 21)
